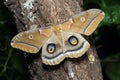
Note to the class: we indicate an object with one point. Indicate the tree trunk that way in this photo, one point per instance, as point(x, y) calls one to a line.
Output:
point(31, 14)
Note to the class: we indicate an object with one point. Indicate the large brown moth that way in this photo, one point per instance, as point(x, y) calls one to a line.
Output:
point(60, 41)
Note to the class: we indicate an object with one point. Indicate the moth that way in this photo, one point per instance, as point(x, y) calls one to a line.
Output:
point(62, 40)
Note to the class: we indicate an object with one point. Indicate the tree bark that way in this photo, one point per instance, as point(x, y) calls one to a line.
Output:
point(31, 14)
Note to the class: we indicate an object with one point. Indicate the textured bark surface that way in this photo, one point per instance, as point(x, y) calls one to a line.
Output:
point(31, 14)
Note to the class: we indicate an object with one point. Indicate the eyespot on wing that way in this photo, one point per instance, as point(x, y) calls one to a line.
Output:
point(30, 41)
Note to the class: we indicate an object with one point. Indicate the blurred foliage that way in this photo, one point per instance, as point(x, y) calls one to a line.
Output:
point(107, 41)
point(12, 66)
point(107, 37)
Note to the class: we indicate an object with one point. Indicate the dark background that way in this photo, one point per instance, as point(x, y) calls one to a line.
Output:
point(106, 39)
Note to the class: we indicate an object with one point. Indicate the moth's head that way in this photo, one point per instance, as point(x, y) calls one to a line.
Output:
point(28, 41)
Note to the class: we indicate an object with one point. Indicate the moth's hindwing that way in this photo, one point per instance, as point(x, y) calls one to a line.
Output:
point(58, 47)
point(52, 50)
point(74, 44)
